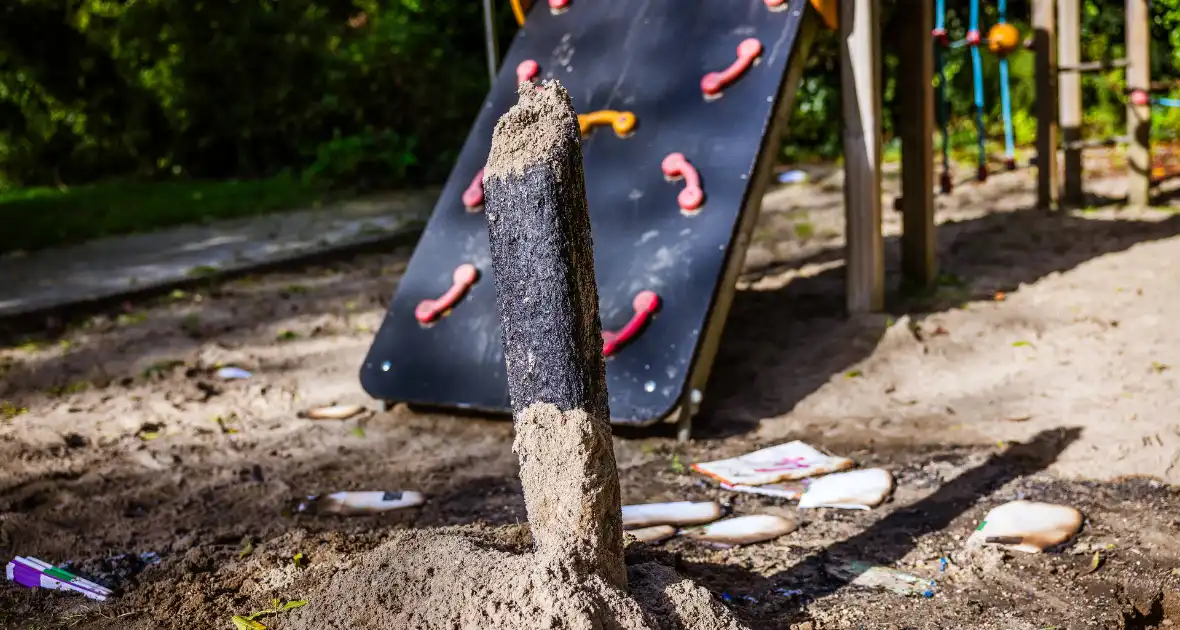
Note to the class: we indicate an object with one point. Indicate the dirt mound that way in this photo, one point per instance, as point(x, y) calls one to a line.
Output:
point(472, 578)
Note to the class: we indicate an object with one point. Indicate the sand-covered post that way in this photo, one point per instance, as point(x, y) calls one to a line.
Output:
point(543, 264)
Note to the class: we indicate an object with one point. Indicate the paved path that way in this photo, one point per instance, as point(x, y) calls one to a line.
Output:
point(109, 267)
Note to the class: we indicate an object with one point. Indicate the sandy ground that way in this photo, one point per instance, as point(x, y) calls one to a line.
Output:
point(117, 439)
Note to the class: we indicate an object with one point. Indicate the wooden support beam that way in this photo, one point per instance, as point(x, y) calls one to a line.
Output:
point(1044, 21)
point(916, 124)
point(860, 88)
point(1138, 115)
point(1094, 66)
point(1069, 90)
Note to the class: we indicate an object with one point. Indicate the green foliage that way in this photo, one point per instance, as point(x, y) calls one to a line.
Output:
point(816, 123)
point(248, 89)
point(358, 94)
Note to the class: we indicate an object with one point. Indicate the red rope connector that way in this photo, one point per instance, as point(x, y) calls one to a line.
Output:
point(1140, 97)
point(973, 38)
point(939, 35)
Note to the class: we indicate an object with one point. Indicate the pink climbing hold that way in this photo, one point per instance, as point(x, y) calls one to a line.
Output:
point(473, 196)
point(676, 166)
point(527, 70)
point(713, 83)
point(645, 304)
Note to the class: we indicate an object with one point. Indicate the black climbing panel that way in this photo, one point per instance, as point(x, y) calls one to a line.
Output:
point(649, 59)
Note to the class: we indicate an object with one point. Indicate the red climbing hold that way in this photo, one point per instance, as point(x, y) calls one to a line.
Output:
point(473, 196)
point(527, 71)
point(646, 303)
point(747, 52)
point(676, 166)
point(973, 38)
point(940, 36)
point(465, 275)
point(776, 5)
point(1140, 97)
point(557, 6)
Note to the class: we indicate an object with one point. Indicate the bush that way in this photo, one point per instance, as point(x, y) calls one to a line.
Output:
point(236, 89)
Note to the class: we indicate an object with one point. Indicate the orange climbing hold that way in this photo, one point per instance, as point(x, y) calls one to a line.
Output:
point(1003, 39)
point(622, 122)
point(828, 12)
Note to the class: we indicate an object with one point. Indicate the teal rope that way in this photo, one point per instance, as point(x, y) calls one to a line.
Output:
point(977, 72)
point(940, 65)
point(1006, 99)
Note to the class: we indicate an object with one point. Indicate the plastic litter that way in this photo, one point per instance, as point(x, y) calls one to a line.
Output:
point(852, 490)
point(230, 373)
point(357, 503)
point(794, 176)
point(652, 535)
point(790, 461)
point(333, 412)
point(742, 530)
point(791, 490)
point(34, 573)
point(674, 513)
point(873, 576)
point(1027, 526)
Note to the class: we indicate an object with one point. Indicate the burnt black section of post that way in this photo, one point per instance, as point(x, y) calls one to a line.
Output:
point(543, 256)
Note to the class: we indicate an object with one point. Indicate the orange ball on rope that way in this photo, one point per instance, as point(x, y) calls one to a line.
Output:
point(1003, 39)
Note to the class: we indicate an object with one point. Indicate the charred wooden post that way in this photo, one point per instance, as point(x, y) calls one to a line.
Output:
point(543, 268)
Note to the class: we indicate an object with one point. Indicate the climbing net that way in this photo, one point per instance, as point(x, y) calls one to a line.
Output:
point(1002, 39)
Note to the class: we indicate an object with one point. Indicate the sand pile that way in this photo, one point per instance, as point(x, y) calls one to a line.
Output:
point(468, 578)
point(573, 577)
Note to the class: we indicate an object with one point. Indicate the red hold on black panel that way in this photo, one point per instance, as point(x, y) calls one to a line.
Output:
point(676, 166)
point(747, 52)
point(646, 303)
point(428, 310)
point(473, 196)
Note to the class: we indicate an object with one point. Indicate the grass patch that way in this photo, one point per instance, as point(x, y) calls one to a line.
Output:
point(50, 217)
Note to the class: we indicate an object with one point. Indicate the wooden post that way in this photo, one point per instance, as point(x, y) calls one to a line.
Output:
point(1045, 48)
point(860, 87)
point(1069, 91)
point(543, 266)
point(1138, 115)
point(916, 122)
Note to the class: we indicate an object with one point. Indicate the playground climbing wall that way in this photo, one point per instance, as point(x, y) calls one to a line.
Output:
point(680, 103)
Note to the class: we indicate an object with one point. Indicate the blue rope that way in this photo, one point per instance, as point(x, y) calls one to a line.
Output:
point(977, 71)
point(940, 64)
point(1006, 96)
point(1166, 102)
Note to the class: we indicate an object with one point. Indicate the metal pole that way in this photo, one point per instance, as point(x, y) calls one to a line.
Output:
point(489, 25)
